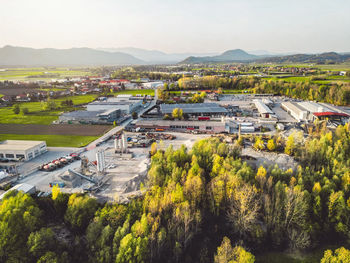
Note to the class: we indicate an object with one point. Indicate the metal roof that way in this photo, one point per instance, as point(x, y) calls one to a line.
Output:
point(262, 108)
point(193, 108)
point(328, 113)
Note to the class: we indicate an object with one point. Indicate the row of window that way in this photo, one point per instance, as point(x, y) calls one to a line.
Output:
point(11, 156)
point(190, 127)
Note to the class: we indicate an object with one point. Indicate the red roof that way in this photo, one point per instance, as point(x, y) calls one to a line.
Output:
point(329, 113)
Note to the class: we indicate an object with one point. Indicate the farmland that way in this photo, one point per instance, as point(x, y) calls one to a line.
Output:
point(53, 140)
point(37, 115)
point(41, 73)
point(62, 129)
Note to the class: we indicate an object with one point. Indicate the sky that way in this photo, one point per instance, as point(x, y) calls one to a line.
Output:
point(177, 26)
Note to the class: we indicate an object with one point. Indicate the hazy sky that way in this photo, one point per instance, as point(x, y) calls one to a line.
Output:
point(178, 25)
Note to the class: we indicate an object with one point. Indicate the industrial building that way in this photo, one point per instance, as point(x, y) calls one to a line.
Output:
point(195, 109)
point(91, 117)
point(21, 150)
point(25, 188)
point(296, 111)
point(125, 104)
point(309, 111)
point(200, 126)
point(264, 111)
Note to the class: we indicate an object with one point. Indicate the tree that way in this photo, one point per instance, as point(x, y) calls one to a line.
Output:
point(19, 216)
point(49, 257)
point(243, 210)
point(80, 211)
point(134, 115)
point(177, 113)
point(259, 144)
point(41, 241)
point(341, 255)
point(16, 109)
point(227, 254)
point(271, 145)
point(25, 111)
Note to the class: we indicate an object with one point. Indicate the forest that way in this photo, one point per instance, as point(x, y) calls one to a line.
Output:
point(203, 204)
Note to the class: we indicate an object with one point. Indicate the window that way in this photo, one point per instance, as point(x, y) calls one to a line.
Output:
point(20, 156)
point(8, 155)
point(196, 127)
point(1, 155)
point(208, 128)
point(42, 146)
point(30, 155)
point(36, 152)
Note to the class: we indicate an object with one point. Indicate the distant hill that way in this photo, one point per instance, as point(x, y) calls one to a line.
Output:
point(236, 55)
point(22, 56)
point(329, 57)
point(155, 56)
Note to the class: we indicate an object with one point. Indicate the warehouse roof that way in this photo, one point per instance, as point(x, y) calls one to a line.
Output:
point(262, 108)
point(193, 108)
point(328, 113)
point(179, 123)
point(19, 144)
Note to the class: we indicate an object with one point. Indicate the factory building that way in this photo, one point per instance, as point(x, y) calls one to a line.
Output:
point(25, 188)
point(264, 111)
point(91, 117)
point(199, 126)
point(125, 104)
point(296, 111)
point(195, 109)
point(21, 150)
point(310, 111)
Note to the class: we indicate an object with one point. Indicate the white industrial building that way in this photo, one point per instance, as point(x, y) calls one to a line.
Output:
point(296, 111)
point(264, 111)
point(21, 150)
point(125, 104)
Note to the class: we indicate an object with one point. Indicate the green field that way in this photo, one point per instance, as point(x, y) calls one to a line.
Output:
point(41, 73)
point(36, 113)
point(53, 140)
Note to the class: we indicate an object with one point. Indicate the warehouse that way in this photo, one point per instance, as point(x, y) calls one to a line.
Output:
point(336, 118)
point(195, 109)
point(25, 188)
point(125, 105)
point(21, 150)
point(91, 117)
point(264, 111)
point(296, 111)
point(199, 126)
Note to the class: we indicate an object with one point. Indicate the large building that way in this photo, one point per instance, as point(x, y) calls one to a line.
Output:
point(91, 117)
point(21, 150)
point(263, 109)
point(195, 109)
point(126, 105)
point(200, 126)
point(309, 111)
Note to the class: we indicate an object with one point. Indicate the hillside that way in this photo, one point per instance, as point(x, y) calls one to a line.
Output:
point(236, 55)
point(22, 56)
point(329, 57)
point(155, 56)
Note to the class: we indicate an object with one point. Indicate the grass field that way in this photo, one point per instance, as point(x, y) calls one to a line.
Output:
point(53, 140)
point(49, 73)
point(36, 113)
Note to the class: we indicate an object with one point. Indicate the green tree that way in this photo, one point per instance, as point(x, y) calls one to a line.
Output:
point(16, 109)
point(341, 255)
point(80, 211)
point(25, 111)
point(41, 241)
point(227, 254)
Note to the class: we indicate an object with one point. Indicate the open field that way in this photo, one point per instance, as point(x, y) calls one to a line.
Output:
point(62, 129)
point(36, 113)
point(53, 140)
point(41, 73)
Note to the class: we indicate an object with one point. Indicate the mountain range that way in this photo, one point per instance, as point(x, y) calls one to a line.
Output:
point(23, 56)
point(155, 56)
